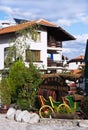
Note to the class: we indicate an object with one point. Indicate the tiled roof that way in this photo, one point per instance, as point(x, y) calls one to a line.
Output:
point(79, 58)
point(15, 27)
point(24, 25)
point(44, 22)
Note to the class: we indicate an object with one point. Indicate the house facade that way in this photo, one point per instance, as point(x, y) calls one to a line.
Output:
point(46, 50)
point(76, 63)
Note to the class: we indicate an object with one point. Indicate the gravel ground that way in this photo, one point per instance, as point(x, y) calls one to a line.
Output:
point(44, 124)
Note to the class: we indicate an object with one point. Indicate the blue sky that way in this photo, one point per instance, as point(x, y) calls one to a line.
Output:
point(71, 15)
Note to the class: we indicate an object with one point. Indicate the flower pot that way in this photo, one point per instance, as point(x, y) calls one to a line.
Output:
point(4, 108)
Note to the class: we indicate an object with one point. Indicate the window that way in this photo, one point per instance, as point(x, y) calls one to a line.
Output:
point(9, 56)
point(6, 58)
point(36, 37)
point(32, 55)
point(5, 52)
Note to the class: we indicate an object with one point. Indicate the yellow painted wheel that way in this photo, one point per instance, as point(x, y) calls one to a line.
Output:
point(64, 109)
point(45, 111)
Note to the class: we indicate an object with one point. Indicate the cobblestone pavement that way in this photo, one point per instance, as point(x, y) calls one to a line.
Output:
point(44, 124)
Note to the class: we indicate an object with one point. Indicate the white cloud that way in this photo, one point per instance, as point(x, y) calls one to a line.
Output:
point(6, 9)
point(63, 13)
point(75, 48)
point(82, 38)
point(64, 22)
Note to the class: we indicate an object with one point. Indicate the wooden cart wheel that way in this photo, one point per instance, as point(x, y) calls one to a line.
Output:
point(45, 111)
point(64, 109)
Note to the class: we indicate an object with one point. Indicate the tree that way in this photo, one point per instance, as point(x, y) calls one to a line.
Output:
point(4, 92)
point(23, 81)
point(20, 43)
point(16, 79)
point(23, 84)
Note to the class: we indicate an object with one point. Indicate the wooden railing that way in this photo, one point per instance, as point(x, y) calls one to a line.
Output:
point(54, 44)
point(54, 63)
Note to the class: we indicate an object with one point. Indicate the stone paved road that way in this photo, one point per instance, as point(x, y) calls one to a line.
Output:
point(44, 124)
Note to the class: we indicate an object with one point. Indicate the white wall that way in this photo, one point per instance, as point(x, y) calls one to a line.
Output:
point(42, 46)
point(73, 66)
point(58, 56)
point(2, 46)
point(1, 57)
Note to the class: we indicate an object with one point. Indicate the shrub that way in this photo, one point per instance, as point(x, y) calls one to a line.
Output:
point(4, 92)
point(16, 79)
point(23, 84)
point(23, 104)
point(84, 106)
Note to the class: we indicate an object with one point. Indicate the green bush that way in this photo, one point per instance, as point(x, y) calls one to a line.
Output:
point(16, 79)
point(4, 92)
point(84, 106)
point(23, 84)
point(23, 104)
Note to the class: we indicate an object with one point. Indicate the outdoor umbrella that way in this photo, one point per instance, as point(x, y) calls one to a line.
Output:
point(86, 68)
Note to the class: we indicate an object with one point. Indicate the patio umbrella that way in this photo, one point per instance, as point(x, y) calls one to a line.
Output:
point(86, 68)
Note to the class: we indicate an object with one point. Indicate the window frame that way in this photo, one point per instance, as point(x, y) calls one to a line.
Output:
point(33, 55)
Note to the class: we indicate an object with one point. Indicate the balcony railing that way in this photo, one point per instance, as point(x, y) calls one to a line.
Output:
point(51, 63)
point(54, 44)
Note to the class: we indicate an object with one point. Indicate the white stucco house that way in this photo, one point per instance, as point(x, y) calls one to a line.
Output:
point(76, 63)
point(47, 49)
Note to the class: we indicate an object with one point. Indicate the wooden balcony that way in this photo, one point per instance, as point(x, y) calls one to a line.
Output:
point(51, 63)
point(55, 44)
